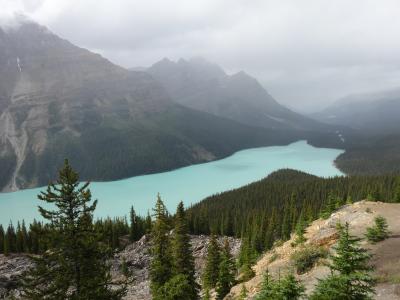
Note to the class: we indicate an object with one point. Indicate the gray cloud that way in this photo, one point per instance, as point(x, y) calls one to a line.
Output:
point(306, 53)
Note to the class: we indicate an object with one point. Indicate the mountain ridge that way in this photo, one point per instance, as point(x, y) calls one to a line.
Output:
point(61, 101)
point(205, 86)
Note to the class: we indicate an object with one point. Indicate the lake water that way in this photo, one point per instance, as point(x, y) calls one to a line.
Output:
point(189, 184)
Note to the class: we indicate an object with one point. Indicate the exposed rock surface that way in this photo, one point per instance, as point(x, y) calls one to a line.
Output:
point(136, 256)
point(61, 101)
point(386, 254)
point(10, 269)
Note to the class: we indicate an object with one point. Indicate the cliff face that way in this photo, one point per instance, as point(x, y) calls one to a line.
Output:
point(60, 101)
point(50, 87)
point(386, 254)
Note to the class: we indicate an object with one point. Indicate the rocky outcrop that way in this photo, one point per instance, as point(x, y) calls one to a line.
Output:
point(386, 254)
point(11, 268)
point(137, 258)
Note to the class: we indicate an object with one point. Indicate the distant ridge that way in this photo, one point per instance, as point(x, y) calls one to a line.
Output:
point(199, 84)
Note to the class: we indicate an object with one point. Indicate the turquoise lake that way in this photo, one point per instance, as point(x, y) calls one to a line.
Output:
point(189, 184)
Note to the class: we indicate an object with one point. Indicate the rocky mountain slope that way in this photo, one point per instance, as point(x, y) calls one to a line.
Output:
point(386, 255)
point(199, 84)
point(60, 101)
point(136, 256)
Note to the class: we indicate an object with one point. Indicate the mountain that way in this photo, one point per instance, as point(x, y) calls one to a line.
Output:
point(199, 84)
point(372, 113)
point(60, 101)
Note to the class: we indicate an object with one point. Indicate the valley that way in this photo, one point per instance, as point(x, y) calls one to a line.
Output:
point(185, 180)
point(189, 184)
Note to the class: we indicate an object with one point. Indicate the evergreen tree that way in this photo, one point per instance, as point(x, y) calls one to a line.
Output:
point(246, 259)
point(177, 288)
point(226, 275)
point(183, 261)
point(370, 197)
point(243, 293)
point(1, 239)
point(350, 272)
point(397, 193)
point(286, 222)
point(379, 231)
point(329, 207)
point(206, 295)
point(161, 260)
point(290, 289)
point(10, 240)
point(300, 230)
point(287, 288)
point(75, 267)
point(134, 230)
point(149, 223)
point(268, 288)
point(25, 238)
point(211, 271)
point(19, 240)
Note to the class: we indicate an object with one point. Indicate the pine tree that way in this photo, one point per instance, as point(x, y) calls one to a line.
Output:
point(10, 240)
point(75, 267)
point(177, 288)
point(329, 207)
point(287, 288)
point(290, 289)
point(246, 259)
point(300, 230)
point(211, 270)
point(134, 230)
point(19, 240)
point(206, 295)
point(161, 260)
point(286, 222)
point(350, 271)
point(397, 194)
point(379, 231)
point(243, 293)
point(268, 288)
point(183, 261)
point(226, 275)
point(1, 239)
point(25, 238)
point(149, 223)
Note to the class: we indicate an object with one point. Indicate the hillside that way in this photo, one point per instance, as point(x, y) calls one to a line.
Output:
point(136, 256)
point(323, 233)
point(374, 113)
point(257, 209)
point(60, 101)
point(199, 84)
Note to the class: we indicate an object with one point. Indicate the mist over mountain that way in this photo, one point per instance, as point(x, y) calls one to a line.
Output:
point(60, 101)
point(199, 84)
point(373, 113)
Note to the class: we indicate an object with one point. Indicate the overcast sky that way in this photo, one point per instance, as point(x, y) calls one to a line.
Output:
point(306, 53)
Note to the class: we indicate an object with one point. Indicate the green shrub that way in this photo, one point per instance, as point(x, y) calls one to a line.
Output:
point(305, 258)
point(379, 231)
point(273, 257)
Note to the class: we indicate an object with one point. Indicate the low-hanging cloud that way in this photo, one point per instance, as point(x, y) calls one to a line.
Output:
point(306, 53)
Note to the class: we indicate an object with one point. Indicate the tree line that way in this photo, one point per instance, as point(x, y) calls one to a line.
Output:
point(271, 209)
